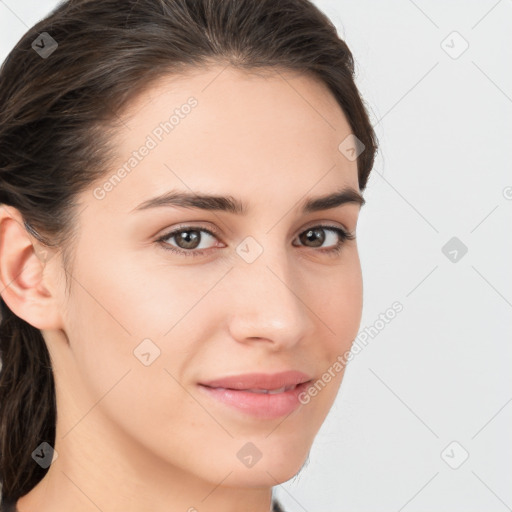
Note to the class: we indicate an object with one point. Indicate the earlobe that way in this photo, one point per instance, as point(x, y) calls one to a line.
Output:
point(22, 286)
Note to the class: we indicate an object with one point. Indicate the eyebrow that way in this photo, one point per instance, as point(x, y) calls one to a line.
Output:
point(230, 204)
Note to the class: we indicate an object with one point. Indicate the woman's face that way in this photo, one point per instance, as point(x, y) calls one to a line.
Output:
point(146, 326)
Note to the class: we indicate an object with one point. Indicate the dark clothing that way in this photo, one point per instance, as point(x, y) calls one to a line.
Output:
point(276, 506)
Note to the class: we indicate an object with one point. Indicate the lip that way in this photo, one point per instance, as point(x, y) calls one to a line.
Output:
point(259, 380)
point(233, 391)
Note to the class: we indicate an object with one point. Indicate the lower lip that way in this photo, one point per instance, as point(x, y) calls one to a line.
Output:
point(261, 405)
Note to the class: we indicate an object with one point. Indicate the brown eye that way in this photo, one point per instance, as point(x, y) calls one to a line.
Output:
point(316, 236)
point(187, 240)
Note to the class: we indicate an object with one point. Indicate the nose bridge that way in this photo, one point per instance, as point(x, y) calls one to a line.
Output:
point(266, 300)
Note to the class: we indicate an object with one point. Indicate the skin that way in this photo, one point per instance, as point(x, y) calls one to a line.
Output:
point(132, 437)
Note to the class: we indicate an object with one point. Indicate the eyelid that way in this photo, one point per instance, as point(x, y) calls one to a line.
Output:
point(214, 232)
point(325, 224)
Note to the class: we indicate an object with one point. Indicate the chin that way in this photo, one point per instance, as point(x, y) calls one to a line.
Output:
point(273, 468)
point(264, 477)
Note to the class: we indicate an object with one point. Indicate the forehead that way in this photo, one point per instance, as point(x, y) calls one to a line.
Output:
point(224, 86)
point(228, 131)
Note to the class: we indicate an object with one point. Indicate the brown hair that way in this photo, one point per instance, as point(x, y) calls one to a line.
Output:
point(58, 108)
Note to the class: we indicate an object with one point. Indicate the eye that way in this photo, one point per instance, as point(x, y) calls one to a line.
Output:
point(316, 236)
point(188, 239)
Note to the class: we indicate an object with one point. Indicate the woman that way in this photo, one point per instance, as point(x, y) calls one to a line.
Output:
point(180, 184)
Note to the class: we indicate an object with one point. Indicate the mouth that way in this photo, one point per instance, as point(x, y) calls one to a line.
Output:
point(283, 389)
point(261, 382)
point(261, 401)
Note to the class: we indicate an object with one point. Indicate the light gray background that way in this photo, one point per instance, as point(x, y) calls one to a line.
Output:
point(440, 370)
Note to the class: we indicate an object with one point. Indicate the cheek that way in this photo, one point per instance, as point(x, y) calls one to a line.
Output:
point(119, 310)
point(138, 300)
point(336, 297)
point(114, 307)
point(125, 313)
point(337, 300)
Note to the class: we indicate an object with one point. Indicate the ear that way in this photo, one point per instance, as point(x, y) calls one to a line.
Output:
point(24, 286)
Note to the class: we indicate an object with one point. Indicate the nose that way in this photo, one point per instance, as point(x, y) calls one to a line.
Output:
point(267, 303)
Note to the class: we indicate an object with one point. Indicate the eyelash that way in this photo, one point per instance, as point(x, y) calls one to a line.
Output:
point(344, 236)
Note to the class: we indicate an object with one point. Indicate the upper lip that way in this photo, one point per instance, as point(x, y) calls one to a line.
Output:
point(268, 381)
